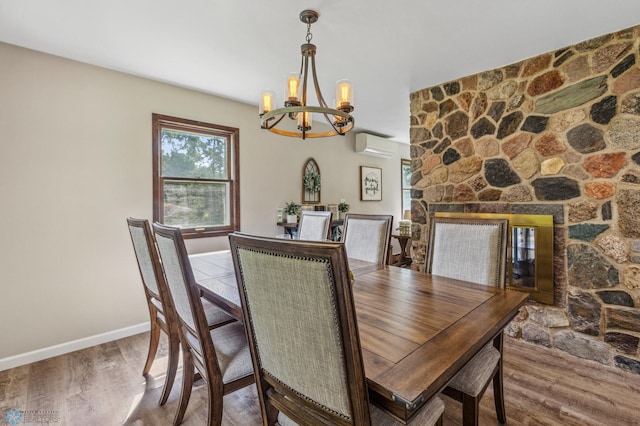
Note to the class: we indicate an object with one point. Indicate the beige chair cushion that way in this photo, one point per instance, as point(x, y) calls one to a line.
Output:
point(472, 378)
point(214, 314)
point(230, 344)
point(460, 252)
point(427, 416)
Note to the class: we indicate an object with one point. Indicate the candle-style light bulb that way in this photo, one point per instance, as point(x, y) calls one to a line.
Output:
point(344, 95)
point(344, 92)
point(304, 121)
point(293, 85)
point(267, 101)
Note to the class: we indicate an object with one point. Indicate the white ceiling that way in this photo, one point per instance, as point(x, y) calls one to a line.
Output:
point(237, 48)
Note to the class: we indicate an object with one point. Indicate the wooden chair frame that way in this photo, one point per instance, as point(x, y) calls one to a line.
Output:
point(470, 404)
point(202, 357)
point(273, 395)
point(162, 316)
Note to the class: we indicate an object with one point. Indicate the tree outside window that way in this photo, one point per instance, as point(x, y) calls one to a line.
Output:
point(195, 171)
point(405, 166)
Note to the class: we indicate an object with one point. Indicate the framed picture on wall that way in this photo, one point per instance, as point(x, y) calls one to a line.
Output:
point(370, 183)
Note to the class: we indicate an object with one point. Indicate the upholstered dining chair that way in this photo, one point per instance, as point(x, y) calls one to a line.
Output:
point(221, 356)
point(300, 318)
point(161, 311)
point(314, 225)
point(367, 237)
point(475, 250)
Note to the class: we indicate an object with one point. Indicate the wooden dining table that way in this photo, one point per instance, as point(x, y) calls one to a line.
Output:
point(416, 330)
point(216, 277)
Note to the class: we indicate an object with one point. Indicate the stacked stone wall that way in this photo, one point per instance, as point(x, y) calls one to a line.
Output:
point(555, 134)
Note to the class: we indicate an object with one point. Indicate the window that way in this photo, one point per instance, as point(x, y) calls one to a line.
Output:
point(196, 176)
point(405, 182)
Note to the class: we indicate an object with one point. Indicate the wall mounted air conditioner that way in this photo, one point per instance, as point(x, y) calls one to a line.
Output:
point(376, 146)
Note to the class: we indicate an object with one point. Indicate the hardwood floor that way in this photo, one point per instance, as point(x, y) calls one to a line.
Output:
point(103, 385)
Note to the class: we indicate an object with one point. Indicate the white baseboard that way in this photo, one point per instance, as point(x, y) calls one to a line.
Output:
point(64, 348)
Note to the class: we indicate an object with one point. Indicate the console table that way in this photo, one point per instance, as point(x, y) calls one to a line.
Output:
point(403, 240)
point(336, 231)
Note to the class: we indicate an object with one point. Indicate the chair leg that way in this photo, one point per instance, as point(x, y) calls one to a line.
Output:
point(187, 384)
point(154, 339)
point(498, 387)
point(470, 410)
point(172, 367)
point(215, 404)
point(498, 394)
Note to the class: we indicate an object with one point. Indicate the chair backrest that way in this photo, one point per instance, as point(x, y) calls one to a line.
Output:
point(300, 318)
point(314, 225)
point(149, 265)
point(367, 237)
point(469, 249)
point(185, 296)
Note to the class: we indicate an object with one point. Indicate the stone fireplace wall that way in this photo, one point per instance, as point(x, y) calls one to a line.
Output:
point(555, 134)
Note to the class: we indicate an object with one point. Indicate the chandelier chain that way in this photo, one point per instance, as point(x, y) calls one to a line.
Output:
point(309, 35)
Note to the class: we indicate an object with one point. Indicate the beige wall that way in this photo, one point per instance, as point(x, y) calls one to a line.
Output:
point(75, 161)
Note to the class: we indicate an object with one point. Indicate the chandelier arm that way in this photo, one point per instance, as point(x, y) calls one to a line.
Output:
point(315, 83)
point(304, 90)
point(331, 123)
point(305, 71)
point(275, 123)
point(301, 66)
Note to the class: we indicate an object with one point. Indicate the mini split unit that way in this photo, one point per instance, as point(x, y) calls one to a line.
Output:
point(376, 146)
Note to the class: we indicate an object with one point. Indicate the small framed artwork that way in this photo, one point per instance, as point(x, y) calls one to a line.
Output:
point(370, 183)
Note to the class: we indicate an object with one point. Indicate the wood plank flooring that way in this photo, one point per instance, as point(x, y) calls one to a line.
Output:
point(103, 385)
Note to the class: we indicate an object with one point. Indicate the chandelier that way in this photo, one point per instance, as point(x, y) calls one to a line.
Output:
point(295, 103)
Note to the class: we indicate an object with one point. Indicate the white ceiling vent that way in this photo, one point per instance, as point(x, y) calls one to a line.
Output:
point(376, 146)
